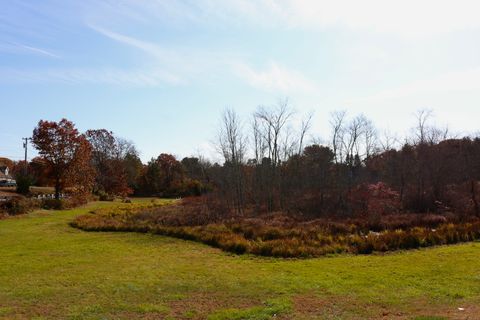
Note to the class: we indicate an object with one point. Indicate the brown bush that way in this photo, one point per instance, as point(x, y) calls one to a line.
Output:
point(19, 205)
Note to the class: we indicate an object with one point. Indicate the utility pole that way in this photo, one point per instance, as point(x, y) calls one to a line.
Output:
point(25, 146)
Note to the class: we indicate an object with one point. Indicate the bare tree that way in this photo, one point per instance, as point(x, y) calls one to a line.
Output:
point(259, 143)
point(352, 138)
point(337, 120)
point(426, 133)
point(371, 138)
point(306, 125)
point(278, 144)
point(388, 141)
point(435, 134)
point(421, 129)
point(231, 140)
point(125, 148)
point(289, 144)
point(231, 143)
point(274, 121)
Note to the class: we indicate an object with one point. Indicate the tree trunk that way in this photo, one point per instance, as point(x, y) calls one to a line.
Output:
point(474, 198)
point(57, 188)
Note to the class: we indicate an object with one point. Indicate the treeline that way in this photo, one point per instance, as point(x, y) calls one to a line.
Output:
point(271, 163)
point(356, 173)
point(100, 163)
point(279, 192)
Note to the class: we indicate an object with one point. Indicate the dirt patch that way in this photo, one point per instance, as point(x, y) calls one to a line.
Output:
point(459, 311)
point(311, 306)
point(199, 305)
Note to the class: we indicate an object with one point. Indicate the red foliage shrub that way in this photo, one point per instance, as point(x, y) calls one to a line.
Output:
point(374, 200)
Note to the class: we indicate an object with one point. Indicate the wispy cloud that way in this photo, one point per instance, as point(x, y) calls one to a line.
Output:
point(39, 51)
point(408, 18)
point(145, 46)
point(18, 48)
point(110, 76)
point(275, 78)
point(184, 65)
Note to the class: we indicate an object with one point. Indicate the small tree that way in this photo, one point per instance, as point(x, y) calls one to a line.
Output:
point(231, 144)
point(66, 152)
point(22, 173)
point(23, 183)
point(108, 155)
point(163, 176)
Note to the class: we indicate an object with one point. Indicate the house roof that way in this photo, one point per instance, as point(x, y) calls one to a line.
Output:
point(5, 162)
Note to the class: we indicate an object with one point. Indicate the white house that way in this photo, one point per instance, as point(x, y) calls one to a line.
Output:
point(5, 176)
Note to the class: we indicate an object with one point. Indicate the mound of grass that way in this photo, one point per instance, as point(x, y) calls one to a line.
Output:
point(256, 236)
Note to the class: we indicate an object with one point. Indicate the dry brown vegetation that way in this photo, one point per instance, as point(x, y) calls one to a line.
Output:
point(283, 235)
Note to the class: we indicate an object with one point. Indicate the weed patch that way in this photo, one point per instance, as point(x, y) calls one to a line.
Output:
point(275, 236)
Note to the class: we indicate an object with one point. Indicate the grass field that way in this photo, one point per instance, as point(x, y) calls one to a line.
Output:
point(49, 270)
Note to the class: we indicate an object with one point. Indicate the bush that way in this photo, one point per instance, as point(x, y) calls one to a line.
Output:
point(77, 199)
point(53, 204)
point(103, 196)
point(18, 206)
point(23, 184)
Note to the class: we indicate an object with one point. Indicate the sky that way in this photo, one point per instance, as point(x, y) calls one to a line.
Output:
point(159, 72)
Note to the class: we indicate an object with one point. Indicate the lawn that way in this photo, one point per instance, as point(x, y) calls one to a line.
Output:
point(49, 270)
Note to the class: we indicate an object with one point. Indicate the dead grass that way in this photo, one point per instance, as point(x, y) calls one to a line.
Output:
point(279, 234)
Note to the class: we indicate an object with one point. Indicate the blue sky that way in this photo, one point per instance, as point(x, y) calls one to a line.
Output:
point(160, 72)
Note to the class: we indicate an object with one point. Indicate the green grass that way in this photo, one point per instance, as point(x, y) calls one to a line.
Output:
point(269, 310)
point(49, 270)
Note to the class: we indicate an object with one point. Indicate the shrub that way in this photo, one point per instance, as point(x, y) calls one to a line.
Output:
point(53, 204)
point(103, 196)
point(77, 199)
point(23, 184)
point(19, 205)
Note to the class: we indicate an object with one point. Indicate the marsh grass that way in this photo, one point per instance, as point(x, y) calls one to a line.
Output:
point(276, 235)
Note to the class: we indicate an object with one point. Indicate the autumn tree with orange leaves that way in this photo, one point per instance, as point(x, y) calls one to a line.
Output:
point(66, 153)
point(108, 160)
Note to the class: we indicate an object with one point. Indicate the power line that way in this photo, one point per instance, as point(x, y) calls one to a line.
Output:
point(25, 146)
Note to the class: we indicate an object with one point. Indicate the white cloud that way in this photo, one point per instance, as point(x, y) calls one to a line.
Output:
point(410, 18)
point(274, 78)
point(459, 81)
point(177, 66)
point(407, 18)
